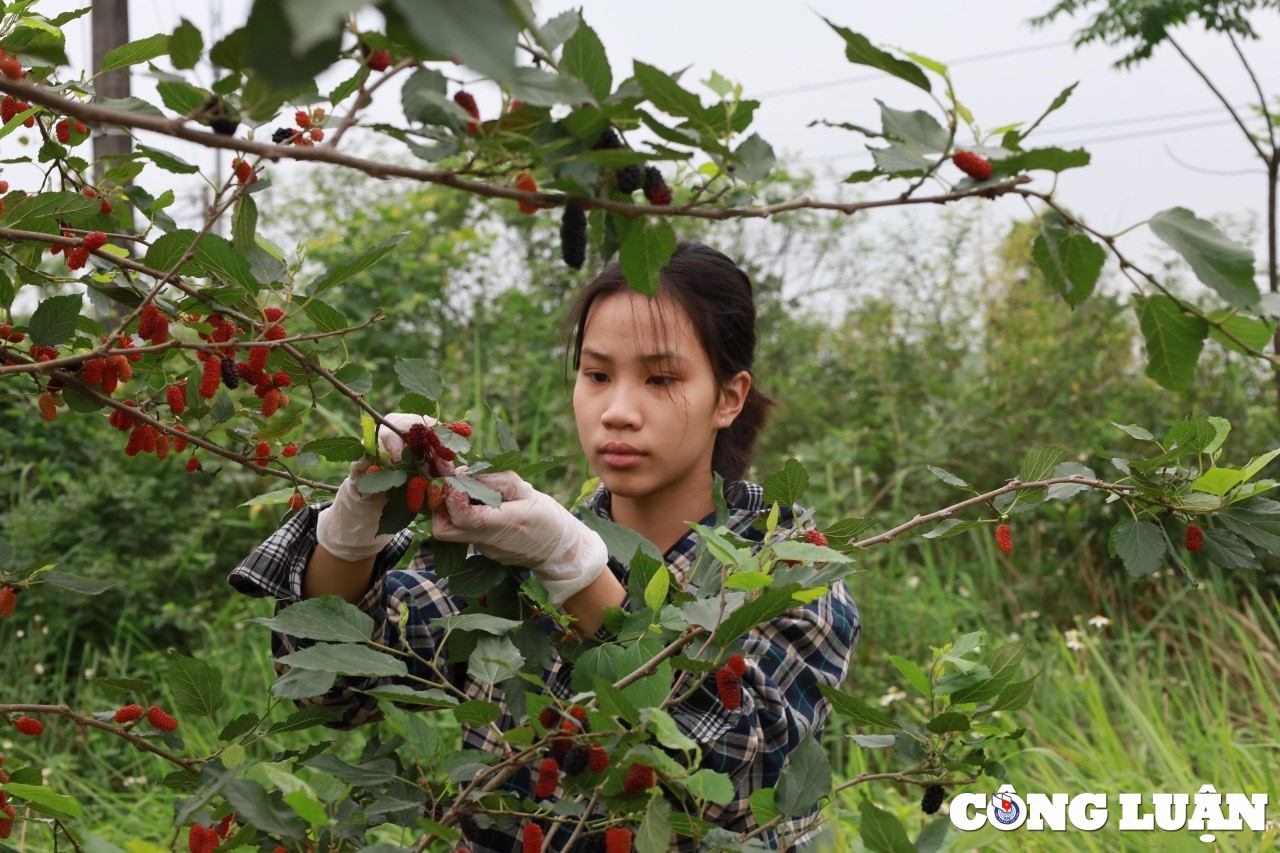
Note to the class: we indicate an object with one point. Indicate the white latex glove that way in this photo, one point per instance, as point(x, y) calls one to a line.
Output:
point(529, 529)
point(348, 528)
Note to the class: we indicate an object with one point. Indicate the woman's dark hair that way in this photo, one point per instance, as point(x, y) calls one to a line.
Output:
point(717, 297)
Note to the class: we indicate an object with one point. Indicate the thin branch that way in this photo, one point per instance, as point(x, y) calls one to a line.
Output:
point(176, 128)
point(364, 97)
point(190, 765)
point(1221, 97)
point(1257, 87)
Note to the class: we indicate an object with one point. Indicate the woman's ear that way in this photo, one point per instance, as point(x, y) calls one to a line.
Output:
point(733, 396)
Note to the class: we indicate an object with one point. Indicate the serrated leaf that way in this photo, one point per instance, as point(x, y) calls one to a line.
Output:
point(949, 721)
point(918, 129)
point(1256, 520)
point(418, 376)
point(302, 683)
point(75, 583)
point(1223, 548)
point(341, 449)
point(805, 779)
point(950, 527)
point(882, 832)
point(666, 731)
point(1039, 463)
point(655, 592)
point(473, 488)
point(136, 51)
point(54, 320)
point(475, 622)
point(947, 477)
point(1141, 545)
point(584, 57)
point(328, 617)
point(185, 45)
point(646, 250)
point(710, 786)
point(196, 686)
point(342, 273)
point(859, 50)
point(45, 801)
point(913, 673)
point(786, 487)
point(474, 712)
point(1218, 261)
point(305, 718)
point(1071, 263)
point(1015, 695)
point(654, 834)
point(345, 659)
point(381, 481)
point(494, 659)
point(856, 710)
point(1048, 159)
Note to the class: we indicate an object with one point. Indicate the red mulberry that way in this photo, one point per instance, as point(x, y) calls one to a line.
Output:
point(729, 686)
point(978, 168)
point(532, 835)
point(161, 720)
point(639, 779)
point(177, 397)
point(617, 840)
point(1004, 538)
point(129, 713)
point(813, 537)
point(379, 60)
point(272, 314)
point(548, 776)
point(415, 493)
point(289, 449)
point(29, 726)
point(48, 406)
point(95, 240)
point(736, 664)
point(468, 102)
point(210, 379)
point(526, 183)
point(1195, 538)
point(461, 428)
point(655, 186)
point(63, 131)
point(7, 601)
point(549, 717)
point(597, 758)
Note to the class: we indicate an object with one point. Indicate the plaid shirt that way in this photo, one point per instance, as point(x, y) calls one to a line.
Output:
point(787, 658)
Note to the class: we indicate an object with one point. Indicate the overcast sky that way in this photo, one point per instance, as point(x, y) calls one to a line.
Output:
point(1158, 136)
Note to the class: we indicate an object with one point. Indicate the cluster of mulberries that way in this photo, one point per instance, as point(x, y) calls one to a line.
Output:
point(202, 839)
point(628, 178)
point(307, 132)
point(729, 682)
point(63, 131)
point(548, 778)
point(109, 372)
point(153, 325)
point(105, 207)
point(10, 107)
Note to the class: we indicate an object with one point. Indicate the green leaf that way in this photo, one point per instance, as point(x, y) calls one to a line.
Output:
point(342, 449)
point(185, 45)
point(54, 320)
point(1224, 548)
point(474, 712)
point(947, 477)
point(1039, 463)
point(132, 105)
point(75, 583)
point(664, 728)
point(305, 718)
point(613, 701)
point(325, 316)
point(540, 88)
point(949, 721)
point(1256, 520)
point(861, 714)
point(196, 686)
point(882, 832)
point(476, 576)
point(302, 683)
point(45, 801)
point(1174, 341)
point(62, 205)
point(356, 377)
point(786, 487)
point(475, 622)
point(931, 838)
point(710, 786)
point(805, 779)
point(860, 51)
point(181, 97)
point(897, 159)
point(917, 129)
point(1141, 545)
point(913, 673)
point(1049, 159)
point(480, 34)
point(238, 727)
point(136, 51)
point(475, 489)
point(329, 618)
point(418, 376)
point(764, 806)
point(771, 602)
point(667, 95)
point(494, 659)
point(381, 481)
point(950, 527)
point(1070, 262)
point(1218, 481)
point(654, 834)
point(655, 592)
point(402, 694)
point(1252, 333)
point(1221, 263)
point(755, 159)
point(244, 225)
point(1015, 695)
point(368, 258)
point(256, 808)
point(645, 252)
point(622, 542)
point(345, 659)
point(584, 57)
point(216, 255)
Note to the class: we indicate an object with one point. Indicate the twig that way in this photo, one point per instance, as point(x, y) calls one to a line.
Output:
point(188, 764)
point(364, 97)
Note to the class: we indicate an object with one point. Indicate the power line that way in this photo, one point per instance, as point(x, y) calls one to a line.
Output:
point(868, 78)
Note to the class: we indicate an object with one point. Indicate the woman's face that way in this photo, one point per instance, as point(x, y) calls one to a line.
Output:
point(646, 400)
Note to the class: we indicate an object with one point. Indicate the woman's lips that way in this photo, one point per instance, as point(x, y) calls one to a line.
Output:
point(619, 455)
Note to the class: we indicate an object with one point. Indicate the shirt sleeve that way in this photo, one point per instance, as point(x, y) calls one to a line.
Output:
point(787, 659)
point(275, 569)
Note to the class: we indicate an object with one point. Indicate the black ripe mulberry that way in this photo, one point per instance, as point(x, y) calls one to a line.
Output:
point(655, 186)
point(932, 799)
point(630, 178)
point(609, 139)
point(573, 235)
point(230, 377)
point(470, 829)
point(282, 135)
point(575, 761)
point(221, 119)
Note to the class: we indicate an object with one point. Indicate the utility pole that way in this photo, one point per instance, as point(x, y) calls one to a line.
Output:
point(110, 22)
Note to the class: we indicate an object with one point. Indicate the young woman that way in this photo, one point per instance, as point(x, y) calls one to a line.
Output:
point(664, 398)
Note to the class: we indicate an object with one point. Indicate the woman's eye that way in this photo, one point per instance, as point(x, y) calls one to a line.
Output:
point(594, 376)
point(662, 380)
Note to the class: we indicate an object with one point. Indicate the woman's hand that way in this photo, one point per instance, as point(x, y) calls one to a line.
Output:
point(348, 528)
point(528, 529)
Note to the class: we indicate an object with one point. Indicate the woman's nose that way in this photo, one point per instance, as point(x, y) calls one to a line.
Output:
point(623, 409)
